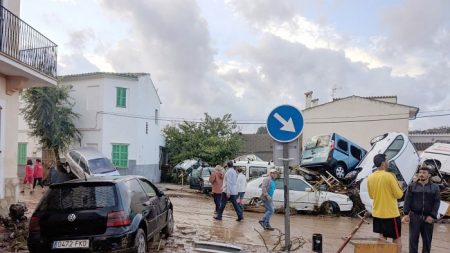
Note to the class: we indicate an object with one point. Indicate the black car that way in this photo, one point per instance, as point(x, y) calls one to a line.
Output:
point(199, 179)
point(100, 214)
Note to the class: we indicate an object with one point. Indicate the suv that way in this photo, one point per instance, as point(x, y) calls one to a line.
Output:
point(332, 152)
point(100, 214)
point(199, 179)
point(86, 162)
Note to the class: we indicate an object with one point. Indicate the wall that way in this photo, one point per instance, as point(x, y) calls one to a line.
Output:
point(332, 117)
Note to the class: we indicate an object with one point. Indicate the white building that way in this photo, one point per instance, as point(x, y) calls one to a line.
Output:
point(119, 116)
point(27, 59)
point(357, 118)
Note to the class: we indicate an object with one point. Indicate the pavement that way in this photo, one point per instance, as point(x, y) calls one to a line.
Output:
point(193, 214)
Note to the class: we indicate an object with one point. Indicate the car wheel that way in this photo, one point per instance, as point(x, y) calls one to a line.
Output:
point(140, 242)
point(168, 229)
point(329, 208)
point(340, 171)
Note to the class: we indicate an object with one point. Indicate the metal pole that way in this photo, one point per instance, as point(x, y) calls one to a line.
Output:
point(287, 232)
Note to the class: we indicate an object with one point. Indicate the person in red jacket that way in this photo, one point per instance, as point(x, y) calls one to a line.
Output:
point(38, 174)
point(28, 179)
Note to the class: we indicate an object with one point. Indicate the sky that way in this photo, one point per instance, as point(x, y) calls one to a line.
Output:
point(245, 57)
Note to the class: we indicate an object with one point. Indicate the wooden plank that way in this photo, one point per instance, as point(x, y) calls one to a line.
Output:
point(373, 246)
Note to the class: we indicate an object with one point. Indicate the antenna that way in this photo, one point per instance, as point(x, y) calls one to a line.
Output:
point(334, 91)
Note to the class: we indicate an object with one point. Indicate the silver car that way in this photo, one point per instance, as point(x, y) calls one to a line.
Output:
point(86, 162)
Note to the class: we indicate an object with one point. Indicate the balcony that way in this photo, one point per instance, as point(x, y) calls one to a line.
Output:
point(23, 44)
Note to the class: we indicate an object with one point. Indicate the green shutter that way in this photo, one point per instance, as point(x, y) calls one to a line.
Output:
point(120, 155)
point(22, 154)
point(121, 97)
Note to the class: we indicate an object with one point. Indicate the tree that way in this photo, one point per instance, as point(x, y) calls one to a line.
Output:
point(261, 130)
point(214, 140)
point(48, 112)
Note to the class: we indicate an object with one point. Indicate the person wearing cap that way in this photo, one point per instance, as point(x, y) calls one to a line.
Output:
point(421, 208)
point(268, 188)
point(384, 190)
point(229, 192)
point(216, 180)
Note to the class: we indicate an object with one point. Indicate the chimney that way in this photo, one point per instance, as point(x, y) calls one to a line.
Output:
point(314, 102)
point(308, 98)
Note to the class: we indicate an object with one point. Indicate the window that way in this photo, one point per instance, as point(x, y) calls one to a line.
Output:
point(394, 148)
point(356, 152)
point(83, 165)
point(121, 97)
point(342, 145)
point(294, 184)
point(120, 155)
point(22, 154)
point(148, 188)
point(100, 165)
point(257, 171)
point(156, 116)
point(135, 193)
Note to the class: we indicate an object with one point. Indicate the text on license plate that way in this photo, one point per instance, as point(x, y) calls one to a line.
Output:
point(71, 244)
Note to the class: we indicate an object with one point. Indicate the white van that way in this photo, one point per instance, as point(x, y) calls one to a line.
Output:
point(438, 156)
point(254, 169)
point(403, 162)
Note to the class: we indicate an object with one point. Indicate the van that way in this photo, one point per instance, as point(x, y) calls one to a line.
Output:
point(86, 162)
point(332, 152)
point(403, 162)
point(438, 157)
point(254, 169)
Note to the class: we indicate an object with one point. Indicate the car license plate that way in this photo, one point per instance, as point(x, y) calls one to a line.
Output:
point(71, 244)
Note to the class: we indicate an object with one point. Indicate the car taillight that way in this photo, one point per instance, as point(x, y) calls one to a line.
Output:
point(34, 224)
point(118, 219)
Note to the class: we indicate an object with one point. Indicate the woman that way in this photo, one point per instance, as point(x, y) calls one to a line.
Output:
point(241, 186)
point(38, 174)
point(28, 179)
point(216, 180)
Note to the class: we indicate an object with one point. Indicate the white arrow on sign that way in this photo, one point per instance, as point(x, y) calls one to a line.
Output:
point(288, 126)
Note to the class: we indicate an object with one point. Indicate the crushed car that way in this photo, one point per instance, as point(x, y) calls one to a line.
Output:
point(87, 162)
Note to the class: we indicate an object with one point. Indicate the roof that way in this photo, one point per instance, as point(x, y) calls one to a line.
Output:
point(370, 97)
point(133, 76)
point(103, 179)
point(412, 110)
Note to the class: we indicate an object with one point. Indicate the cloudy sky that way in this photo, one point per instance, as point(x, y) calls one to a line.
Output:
point(245, 57)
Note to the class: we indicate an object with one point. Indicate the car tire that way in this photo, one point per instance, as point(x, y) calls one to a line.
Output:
point(339, 171)
point(168, 229)
point(329, 208)
point(140, 242)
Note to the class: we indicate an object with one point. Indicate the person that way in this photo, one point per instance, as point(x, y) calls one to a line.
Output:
point(384, 190)
point(216, 180)
point(268, 188)
point(421, 208)
point(38, 174)
point(229, 192)
point(241, 186)
point(28, 178)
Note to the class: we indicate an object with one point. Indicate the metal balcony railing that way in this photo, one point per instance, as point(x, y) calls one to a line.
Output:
point(26, 45)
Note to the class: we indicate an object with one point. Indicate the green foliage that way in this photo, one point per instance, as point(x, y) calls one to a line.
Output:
point(261, 130)
point(214, 140)
point(48, 112)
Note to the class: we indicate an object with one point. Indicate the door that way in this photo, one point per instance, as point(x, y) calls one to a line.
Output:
point(157, 203)
point(298, 197)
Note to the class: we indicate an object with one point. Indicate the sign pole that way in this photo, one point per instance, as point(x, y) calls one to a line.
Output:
point(287, 210)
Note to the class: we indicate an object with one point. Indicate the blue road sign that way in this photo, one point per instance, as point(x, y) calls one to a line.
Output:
point(285, 123)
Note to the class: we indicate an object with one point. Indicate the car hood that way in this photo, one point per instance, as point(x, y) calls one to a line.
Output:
point(109, 173)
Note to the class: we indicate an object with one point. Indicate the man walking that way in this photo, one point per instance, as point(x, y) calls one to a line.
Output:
point(421, 207)
point(229, 192)
point(384, 191)
point(268, 188)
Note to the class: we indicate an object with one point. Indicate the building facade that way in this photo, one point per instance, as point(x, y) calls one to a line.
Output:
point(27, 59)
point(119, 115)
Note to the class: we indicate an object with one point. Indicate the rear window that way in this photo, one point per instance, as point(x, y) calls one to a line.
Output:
point(318, 142)
point(79, 197)
point(100, 166)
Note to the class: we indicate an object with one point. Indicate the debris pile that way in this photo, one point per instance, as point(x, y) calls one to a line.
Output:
point(14, 236)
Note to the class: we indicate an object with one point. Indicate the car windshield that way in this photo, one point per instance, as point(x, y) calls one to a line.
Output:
point(100, 166)
point(79, 197)
point(318, 141)
point(206, 172)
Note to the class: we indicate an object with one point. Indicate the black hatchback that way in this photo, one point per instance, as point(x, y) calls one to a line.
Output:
point(100, 214)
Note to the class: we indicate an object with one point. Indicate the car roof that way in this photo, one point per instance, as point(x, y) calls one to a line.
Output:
point(103, 179)
point(89, 153)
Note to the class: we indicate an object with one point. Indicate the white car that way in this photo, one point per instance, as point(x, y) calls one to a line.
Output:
point(86, 162)
point(438, 156)
point(302, 196)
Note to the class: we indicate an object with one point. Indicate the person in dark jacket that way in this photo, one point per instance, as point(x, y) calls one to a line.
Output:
point(421, 209)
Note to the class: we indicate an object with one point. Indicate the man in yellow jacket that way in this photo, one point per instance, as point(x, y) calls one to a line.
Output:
point(384, 190)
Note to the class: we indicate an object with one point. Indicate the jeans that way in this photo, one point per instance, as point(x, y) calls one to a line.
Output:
point(217, 197)
point(268, 204)
point(418, 226)
point(223, 203)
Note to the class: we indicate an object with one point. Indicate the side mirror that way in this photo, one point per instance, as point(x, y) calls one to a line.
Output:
point(308, 189)
point(160, 193)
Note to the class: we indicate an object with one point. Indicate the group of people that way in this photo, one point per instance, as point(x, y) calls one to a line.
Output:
point(34, 174)
point(231, 187)
point(421, 206)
